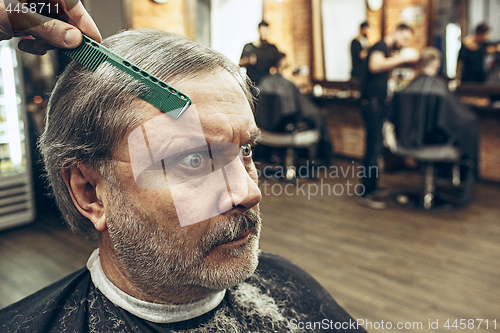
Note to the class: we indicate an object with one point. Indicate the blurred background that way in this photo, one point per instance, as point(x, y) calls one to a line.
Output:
point(403, 264)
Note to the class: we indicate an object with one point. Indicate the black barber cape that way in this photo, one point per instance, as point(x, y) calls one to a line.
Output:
point(425, 112)
point(292, 105)
point(292, 101)
point(74, 304)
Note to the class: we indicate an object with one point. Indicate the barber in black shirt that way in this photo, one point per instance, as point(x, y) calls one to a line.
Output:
point(373, 103)
point(359, 51)
point(259, 56)
point(470, 67)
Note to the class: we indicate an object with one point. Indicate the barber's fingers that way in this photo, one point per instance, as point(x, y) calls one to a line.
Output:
point(80, 18)
point(59, 33)
point(49, 34)
point(51, 31)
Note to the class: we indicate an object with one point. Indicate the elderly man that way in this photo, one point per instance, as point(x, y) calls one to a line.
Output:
point(174, 204)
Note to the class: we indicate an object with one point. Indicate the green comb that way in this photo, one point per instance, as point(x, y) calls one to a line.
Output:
point(165, 97)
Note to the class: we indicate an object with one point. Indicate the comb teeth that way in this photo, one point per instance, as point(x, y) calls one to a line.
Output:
point(177, 106)
point(87, 55)
point(161, 100)
point(161, 95)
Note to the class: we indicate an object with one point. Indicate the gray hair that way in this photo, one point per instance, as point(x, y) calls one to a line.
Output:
point(89, 113)
point(428, 55)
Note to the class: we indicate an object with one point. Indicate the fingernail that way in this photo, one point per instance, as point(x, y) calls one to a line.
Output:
point(72, 37)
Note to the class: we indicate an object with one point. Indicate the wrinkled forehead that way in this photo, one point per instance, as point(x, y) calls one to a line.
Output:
point(222, 107)
point(219, 107)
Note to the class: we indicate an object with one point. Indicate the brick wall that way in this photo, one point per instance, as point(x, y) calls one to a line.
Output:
point(393, 10)
point(392, 17)
point(489, 149)
point(346, 129)
point(167, 16)
point(374, 19)
point(290, 29)
point(290, 20)
point(302, 36)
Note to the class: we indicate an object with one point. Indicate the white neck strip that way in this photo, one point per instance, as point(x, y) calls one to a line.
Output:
point(157, 313)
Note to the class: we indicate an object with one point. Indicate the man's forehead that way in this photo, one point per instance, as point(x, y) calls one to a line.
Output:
point(217, 86)
point(220, 112)
point(210, 92)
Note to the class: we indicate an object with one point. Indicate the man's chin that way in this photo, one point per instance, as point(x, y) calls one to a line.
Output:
point(238, 251)
point(228, 264)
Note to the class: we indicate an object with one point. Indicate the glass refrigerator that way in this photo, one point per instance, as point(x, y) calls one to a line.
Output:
point(16, 187)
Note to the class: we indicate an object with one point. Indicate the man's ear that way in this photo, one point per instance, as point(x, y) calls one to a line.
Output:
point(86, 188)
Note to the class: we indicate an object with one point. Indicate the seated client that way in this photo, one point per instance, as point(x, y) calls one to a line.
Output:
point(178, 230)
point(426, 113)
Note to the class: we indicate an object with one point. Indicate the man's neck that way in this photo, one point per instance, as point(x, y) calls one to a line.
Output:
point(151, 311)
point(429, 71)
point(115, 272)
point(471, 42)
point(260, 43)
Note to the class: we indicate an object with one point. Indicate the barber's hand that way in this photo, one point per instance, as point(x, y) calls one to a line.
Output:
point(252, 59)
point(46, 31)
point(453, 84)
point(410, 55)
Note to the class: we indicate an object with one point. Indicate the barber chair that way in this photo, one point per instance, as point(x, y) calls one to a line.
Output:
point(285, 132)
point(432, 126)
point(429, 155)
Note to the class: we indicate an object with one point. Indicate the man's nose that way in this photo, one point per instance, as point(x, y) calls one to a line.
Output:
point(242, 189)
point(252, 197)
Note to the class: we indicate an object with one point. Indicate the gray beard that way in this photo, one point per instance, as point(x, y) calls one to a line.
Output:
point(161, 265)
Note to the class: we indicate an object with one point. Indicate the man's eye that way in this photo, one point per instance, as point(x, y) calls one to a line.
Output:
point(188, 167)
point(246, 150)
point(193, 161)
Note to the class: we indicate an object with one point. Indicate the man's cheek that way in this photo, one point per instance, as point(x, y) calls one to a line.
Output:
point(201, 198)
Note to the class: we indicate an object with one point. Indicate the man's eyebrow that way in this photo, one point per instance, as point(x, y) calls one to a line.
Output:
point(255, 135)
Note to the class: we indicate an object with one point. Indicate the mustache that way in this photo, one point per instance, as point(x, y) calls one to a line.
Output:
point(225, 232)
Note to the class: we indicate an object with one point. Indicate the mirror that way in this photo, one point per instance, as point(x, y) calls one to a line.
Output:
point(341, 20)
point(335, 24)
